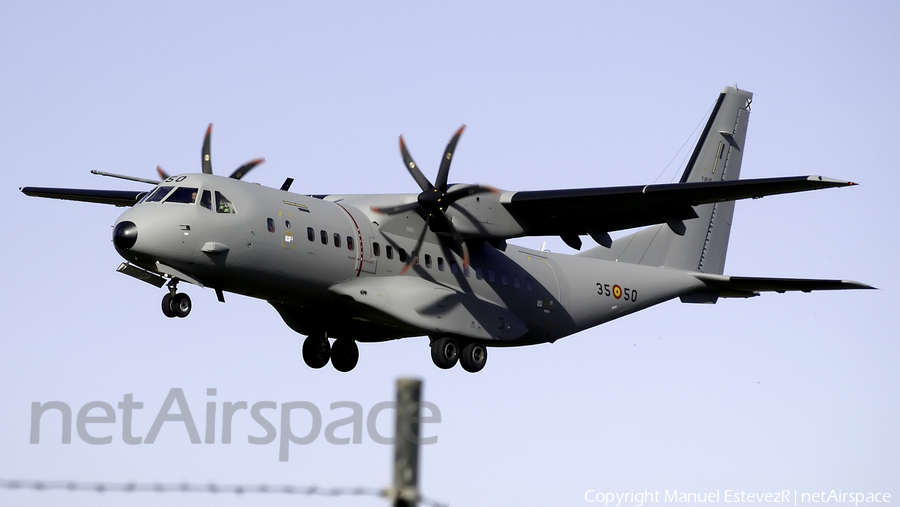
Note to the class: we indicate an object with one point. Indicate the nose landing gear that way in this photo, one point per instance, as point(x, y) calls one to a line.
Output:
point(175, 304)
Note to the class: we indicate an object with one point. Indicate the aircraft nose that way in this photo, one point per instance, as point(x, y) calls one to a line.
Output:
point(125, 235)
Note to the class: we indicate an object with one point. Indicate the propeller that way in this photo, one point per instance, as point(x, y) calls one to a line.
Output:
point(435, 199)
point(206, 161)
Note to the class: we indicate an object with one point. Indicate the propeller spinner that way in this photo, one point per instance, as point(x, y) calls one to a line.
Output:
point(435, 199)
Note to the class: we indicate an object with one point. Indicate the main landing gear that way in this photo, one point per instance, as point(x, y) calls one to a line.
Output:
point(446, 352)
point(344, 353)
point(175, 304)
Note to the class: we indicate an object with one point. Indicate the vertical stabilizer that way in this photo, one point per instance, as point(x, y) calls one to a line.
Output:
point(717, 157)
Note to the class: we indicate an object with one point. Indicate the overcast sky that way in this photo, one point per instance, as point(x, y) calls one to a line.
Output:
point(784, 391)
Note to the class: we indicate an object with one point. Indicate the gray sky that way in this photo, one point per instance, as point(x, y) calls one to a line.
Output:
point(793, 391)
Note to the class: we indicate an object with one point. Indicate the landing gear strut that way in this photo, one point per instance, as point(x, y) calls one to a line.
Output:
point(175, 304)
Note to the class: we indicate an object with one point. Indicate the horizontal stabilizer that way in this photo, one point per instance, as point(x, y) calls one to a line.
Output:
point(115, 197)
point(745, 286)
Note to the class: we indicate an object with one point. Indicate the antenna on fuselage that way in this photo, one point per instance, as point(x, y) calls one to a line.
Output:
point(287, 184)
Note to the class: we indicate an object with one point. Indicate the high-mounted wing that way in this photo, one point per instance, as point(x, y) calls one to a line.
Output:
point(114, 197)
point(580, 211)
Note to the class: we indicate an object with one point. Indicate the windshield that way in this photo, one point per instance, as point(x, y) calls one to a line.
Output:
point(183, 195)
point(159, 194)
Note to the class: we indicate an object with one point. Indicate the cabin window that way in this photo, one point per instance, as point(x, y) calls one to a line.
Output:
point(349, 243)
point(183, 195)
point(492, 277)
point(504, 280)
point(311, 233)
point(467, 271)
point(337, 240)
point(529, 286)
point(440, 263)
point(454, 267)
point(159, 194)
point(270, 224)
point(206, 200)
point(479, 274)
point(516, 281)
point(389, 252)
point(376, 249)
point(427, 261)
point(223, 205)
point(402, 254)
point(324, 237)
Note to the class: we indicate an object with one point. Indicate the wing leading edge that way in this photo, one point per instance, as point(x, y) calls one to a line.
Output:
point(115, 197)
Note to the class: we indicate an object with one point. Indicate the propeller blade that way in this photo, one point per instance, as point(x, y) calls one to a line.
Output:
point(393, 210)
point(444, 171)
point(162, 174)
point(244, 169)
point(415, 251)
point(207, 163)
point(420, 178)
point(444, 227)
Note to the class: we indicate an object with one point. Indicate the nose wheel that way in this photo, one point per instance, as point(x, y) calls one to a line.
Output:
point(176, 304)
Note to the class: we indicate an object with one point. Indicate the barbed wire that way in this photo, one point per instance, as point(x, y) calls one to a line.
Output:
point(186, 487)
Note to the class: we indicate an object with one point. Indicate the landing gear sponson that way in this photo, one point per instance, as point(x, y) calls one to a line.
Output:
point(175, 304)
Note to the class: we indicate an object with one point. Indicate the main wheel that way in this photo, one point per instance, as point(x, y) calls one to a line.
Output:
point(181, 305)
point(316, 351)
point(473, 357)
point(445, 352)
point(344, 354)
point(167, 308)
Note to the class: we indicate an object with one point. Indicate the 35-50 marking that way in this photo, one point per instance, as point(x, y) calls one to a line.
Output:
point(618, 292)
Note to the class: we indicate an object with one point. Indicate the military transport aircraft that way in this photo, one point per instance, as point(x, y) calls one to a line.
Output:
point(371, 268)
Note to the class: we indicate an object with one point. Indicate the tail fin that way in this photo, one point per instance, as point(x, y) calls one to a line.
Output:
point(704, 242)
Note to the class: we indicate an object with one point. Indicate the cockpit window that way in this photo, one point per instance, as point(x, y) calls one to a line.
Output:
point(206, 200)
point(159, 194)
point(183, 195)
point(223, 205)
